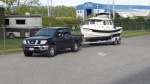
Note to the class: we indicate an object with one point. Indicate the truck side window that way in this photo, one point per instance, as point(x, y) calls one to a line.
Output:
point(66, 31)
point(60, 33)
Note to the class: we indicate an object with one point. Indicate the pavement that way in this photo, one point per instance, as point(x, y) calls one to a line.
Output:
point(128, 63)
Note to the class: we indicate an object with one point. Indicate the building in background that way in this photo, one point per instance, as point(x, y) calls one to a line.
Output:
point(83, 10)
point(22, 25)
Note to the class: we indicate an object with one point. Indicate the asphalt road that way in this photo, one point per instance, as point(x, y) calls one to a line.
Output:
point(128, 63)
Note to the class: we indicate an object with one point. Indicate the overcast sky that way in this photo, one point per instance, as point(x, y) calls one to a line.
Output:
point(77, 2)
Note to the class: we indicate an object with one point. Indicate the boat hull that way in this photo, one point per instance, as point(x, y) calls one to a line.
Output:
point(94, 35)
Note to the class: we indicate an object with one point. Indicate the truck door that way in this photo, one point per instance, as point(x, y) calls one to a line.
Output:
point(60, 39)
point(67, 38)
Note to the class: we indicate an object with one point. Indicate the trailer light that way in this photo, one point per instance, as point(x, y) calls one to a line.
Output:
point(43, 41)
point(24, 42)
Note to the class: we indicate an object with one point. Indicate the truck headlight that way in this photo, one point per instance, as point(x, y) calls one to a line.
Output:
point(43, 41)
point(24, 42)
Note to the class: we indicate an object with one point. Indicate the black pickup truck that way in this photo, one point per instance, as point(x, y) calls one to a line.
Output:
point(50, 40)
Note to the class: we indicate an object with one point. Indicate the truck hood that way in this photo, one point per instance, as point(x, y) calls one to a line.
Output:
point(38, 38)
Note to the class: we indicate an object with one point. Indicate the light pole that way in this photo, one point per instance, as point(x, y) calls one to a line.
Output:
point(130, 10)
point(148, 8)
point(83, 14)
point(113, 10)
point(108, 9)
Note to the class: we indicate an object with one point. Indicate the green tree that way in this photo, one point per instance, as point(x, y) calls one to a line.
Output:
point(20, 8)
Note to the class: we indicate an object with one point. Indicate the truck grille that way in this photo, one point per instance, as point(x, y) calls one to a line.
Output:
point(33, 42)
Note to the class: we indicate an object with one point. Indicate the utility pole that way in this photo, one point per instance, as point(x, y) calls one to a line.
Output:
point(113, 10)
point(148, 9)
point(48, 7)
point(130, 10)
point(6, 2)
point(108, 9)
point(51, 9)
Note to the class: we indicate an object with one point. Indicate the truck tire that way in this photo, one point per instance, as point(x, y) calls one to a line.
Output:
point(27, 54)
point(51, 51)
point(11, 35)
point(75, 47)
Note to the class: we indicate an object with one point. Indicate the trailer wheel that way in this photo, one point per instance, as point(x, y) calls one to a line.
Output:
point(119, 41)
point(11, 35)
point(115, 42)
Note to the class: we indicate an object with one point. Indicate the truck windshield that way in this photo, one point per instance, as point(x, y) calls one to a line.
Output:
point(46, 32)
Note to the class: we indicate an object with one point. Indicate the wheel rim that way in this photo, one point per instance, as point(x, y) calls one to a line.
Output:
point(119, 41)
point(52, 51)
point(115, 42)
point(76, 46)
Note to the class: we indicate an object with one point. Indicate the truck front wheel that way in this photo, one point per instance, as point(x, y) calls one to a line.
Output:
point(75, 47)
point(51, 51)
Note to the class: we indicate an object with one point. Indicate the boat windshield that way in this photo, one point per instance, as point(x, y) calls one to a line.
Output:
point(87, 22)
point(92, 21)
point(99, 22)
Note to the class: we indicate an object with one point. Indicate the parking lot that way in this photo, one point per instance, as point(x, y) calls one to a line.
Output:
point(128, 63)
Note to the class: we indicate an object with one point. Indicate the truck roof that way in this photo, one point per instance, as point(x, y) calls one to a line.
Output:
point(56, 27)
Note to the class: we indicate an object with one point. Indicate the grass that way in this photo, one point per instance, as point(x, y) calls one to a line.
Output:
point(12, 45)
point(134, 33)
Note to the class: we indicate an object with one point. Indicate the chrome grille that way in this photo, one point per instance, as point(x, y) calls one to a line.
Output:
point(32, 42)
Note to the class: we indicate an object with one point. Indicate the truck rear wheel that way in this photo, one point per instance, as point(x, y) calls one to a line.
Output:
point(51, 51)
point(75, 47)
point(27, 54)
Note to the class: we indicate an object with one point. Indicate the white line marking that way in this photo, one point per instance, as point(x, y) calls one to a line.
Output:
point(102, 54)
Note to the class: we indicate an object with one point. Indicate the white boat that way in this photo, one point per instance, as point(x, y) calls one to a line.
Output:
point(100, 28)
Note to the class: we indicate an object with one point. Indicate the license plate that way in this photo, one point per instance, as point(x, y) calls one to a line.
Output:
point(31, 49)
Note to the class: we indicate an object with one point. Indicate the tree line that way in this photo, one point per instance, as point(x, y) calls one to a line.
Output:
point(59, 14)
point(36, 8)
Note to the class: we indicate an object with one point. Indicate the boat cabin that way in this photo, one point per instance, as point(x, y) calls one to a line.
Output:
point(103, 23)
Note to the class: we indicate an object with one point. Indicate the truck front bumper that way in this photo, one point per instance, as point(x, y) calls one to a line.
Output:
point(35, 48)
